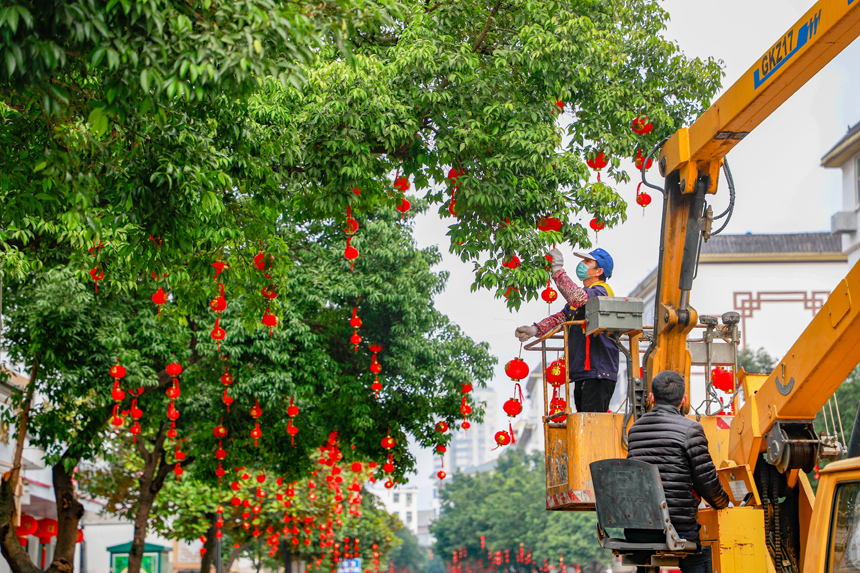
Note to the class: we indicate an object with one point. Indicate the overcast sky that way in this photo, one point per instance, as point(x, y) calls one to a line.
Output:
point(781, 187)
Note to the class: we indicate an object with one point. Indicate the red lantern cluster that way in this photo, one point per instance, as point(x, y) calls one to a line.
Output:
point(256, 412)
point(292, 429)
point(355, 323)
point(401, 183)
point(375, 369)
point(465, 408)
point(117, 372)
point(641, 126)
point(263, 262)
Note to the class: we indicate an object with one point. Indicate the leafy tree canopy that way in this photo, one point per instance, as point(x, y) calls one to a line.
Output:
point(508, 509)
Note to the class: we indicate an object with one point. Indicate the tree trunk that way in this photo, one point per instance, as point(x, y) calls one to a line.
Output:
point(69, 513)
point(234, 554)
point(287, 555)
point(209, 557)
point(155, 470)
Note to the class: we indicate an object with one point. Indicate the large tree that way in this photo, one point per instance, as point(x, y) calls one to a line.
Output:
point(506, 511)
point(308, 358)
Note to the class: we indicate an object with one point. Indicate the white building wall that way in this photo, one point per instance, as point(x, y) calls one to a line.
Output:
point(401, 501)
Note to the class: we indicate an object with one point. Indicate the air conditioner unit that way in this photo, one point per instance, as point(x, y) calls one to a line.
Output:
point(843, 222)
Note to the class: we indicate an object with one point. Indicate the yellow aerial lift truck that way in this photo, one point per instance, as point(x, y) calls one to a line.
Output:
point(776, 523)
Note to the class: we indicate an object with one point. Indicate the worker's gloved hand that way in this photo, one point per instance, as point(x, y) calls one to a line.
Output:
point(557, 260)
point(523, 333)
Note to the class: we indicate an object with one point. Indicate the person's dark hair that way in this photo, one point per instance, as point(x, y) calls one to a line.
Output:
point(668, 388)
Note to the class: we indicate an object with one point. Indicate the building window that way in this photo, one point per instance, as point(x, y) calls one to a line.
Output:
point(408, 517)
point(408, 499)
point(396, 498)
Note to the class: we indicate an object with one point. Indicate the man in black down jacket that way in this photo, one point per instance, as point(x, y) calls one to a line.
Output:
point(678, 447)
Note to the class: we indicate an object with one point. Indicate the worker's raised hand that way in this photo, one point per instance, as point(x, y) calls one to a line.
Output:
point(523, 333)
point(557, 261)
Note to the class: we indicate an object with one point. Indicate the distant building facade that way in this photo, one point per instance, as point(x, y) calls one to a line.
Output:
point(845, 155)
point(400, 500)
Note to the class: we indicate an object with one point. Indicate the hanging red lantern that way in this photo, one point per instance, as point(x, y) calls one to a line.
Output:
point(220, 453)
point(220, 432)
point(388, 442)
point(256, 433)
point(502, 438)
point(171, 433)
point(517, 369)
point(549, 295)
point(351, 223)
point(557, 406)
point(441, 474)
point(643, 199)
point(227, 399)
point(292, 409)
point(374, 366)
point(467, 387)
point(512, 263)
point(117, 371)
point(548, 224)
point(256, 411)
point(159, 298)
point(465, 408)
point(220, 267)
point(116, 420)
point(597, 163)
point(270, 320)
point(46, 529)
point(269, 293)
point(442, 427)
point(292, 430)
point(355, 321)
point(28, 526)
point(404, 206)
point(227, 378)
point(401, 184)
point(262, 260)
point(117, 393)
point(723, 379)
point(355, 339)
point(219, 303)
point(173, 392)
point(514, 407)
point(172, 412)
point(218, 334)
point(642, 126)
point(640, 160)
point(555, 373)
point(596, 224)
point(351, 253)
point(560, 105)
point(174, 369)
point(376, 386)
point(135, 412)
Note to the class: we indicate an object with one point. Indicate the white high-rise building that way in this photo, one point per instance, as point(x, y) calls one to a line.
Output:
point(474, 446)
point(401, 500)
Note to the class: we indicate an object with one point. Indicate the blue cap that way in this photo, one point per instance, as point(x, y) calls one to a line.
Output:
point(604, 260)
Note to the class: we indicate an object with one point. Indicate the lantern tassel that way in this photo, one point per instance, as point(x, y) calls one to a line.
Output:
point(511, 429)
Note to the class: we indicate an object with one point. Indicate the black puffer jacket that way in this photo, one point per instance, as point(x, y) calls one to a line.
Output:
point(678, 447)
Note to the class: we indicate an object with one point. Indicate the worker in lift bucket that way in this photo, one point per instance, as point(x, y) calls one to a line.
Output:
point(594, 359)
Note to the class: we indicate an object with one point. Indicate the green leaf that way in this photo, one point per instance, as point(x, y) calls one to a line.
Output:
point(39, 166)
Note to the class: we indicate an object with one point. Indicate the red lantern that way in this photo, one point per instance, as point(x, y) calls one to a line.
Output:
point(256, 411)
point(442, 427)
point(270, 320)
point(292, 431)
point(292, 409)
point(256, 433)
point(640, 160)
point(220, 432)
point(388, 443)
point(28, 526)
point(555, 373)
point(174, 392)
point(512, 263)
point(502, 438)
point(218, 334)
point(220, 453)
point(174, 369)
point(517, 369)
point(80, 537)
point(227, 378)
point(404, 206)
point(227, 399)
point(159, 298)
point(45, 530)
point(172, 412)
point(269, 293)
point(117, 371)
point(97, 274)
point(597, 163)
point(116, 420)
point(441, 449)
point(548, 224)
point(351, 253)
point(466, 388)
point(557, 406)
point(220, 267)
point(548, 294)
point(513, 407)
point(374, 366)
point(642, 126)
point(262, 260)
point(401, 184)
point(117, 393)
point(441, 474)
point(355, 321)
point(643, 199)
point(219, 303)
point(723, 379)
point(596, 224)
point(465, 408)
point(376, 386)
point(560, 105)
